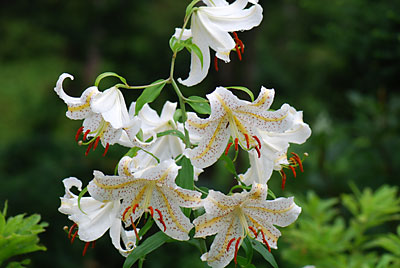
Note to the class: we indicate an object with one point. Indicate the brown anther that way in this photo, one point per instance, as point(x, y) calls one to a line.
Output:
point(227, 125)
point(298, 160)
point(258, 152)
point(254, 231)
point(227, 148)
point(265, 241)
point(88, 148)
point(106, 149)
point(78, 133)
point(86, 133)
point(236, 144)
point(216, 63)
point(258, 141)
point(293, 170)
point(85, 248)
point(151, 211)
point(247, 140)
point(74, 236)
point(160, 219)
point(237, 248)
point(283, 178)
point(230, 243)
point(96, 143)
point(71, 230)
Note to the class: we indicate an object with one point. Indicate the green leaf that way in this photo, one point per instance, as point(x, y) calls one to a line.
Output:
point(248, 248)
point(107, 74)
point(149, 95)
point(260, 248)
point(172, 132)
point(245, 89)
point(193, 47)
point(185, 178)
point(199, 105)
point(178, 115)
point(150, 244)
point(146, 227)
point(79, 199)
point(176, 45)
point(228, 163)
point(190, 7)
point(271, 193)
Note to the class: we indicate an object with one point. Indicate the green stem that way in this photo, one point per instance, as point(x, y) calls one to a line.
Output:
point(142, 87)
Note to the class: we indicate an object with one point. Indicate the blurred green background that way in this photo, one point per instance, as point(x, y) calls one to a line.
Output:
point(338, 61)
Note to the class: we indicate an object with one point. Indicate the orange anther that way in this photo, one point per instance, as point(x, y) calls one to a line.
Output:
point(236, 144)
point(254, 231)
point(85, 248)
point(88, 148)
point(283, 179)
point(237, 248)
point(258, 141)
point(247, 140)
point(125, 211)
point(230, 243)
point(265, 241)
point(227, 148)
point(71, 229)
point(258, 152)
point(216, 63)
point(74, 236)
point(298, 160)
point(106, 149)
point(151, 211)
point(86, 133)
point(238, 52)
point(93, 243)
point(160, 219)
point(293, 170)
point(134, 208)
point(96, 143)
point(78, 133)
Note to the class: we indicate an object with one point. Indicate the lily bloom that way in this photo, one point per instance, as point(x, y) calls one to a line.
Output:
point(104, 113)
point(94, 219)
point(239, 119)
point(151, 190)
point(274, 148)
point(234, 217)
point(210, 28)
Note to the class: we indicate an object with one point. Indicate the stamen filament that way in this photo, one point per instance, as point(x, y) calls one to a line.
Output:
point(74, 236)
point(216, 63)
point(134, 229)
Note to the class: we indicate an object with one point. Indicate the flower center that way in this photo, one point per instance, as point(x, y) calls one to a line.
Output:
point(95, 135)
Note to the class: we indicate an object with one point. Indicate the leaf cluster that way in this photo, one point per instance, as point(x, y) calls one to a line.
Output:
point(19, 235)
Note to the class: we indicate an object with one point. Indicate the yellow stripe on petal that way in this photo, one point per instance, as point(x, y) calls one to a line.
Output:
point(265, 230)
point(274, 211)
point(113, 187)
point(266, 119)
point(211, 142)
point(262, 101)
point(83, 106)
point(208, 223)
point(198, 125)
point(171, 212)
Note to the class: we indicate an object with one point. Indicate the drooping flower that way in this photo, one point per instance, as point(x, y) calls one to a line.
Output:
point(274, 147)
point(210, 27)
point(232, 218)
point(150, 190)
point(104, 113)
point(239, 119)
point(94, 218)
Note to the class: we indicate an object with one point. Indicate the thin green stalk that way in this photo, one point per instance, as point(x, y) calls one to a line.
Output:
point(142, 87)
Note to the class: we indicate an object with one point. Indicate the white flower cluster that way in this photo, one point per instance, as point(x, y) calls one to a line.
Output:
point(145, 184)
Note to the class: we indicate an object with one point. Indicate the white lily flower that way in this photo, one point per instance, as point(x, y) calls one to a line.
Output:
point(239, 119)
point(150, 190)
point(105, 114)
point(274, 148)
point(95, 218)
point(210, 27)
point(234, 217)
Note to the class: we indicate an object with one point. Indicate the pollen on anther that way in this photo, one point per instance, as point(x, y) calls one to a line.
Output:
point(254, 231)
point(227, 148)
point(74, 236)
point(258, 141)
point(265, 241)
point(298, 160)
point(258, 152)
point(283, 178)
point(237, 248)
point(216, 63)
point(86, 133)
point(160, 219)
point(293, 170)
point(236, 144)
point(247, 140)
point(78, 133)
point(71, 230)
point(151, 211)
point(96, 143)
point(230, 243)
point(106, 149)
point(88, 148)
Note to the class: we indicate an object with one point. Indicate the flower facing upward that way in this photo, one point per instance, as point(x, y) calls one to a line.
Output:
point(105, 114)
point(210, 27)
point(150, 190)
point(234, 217)
point(239, 119)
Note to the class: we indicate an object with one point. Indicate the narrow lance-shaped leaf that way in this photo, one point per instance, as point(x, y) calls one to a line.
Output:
point(265, 253)
point(244, 89)
point(107, 74)
point(199, 105)
point(185, 178)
